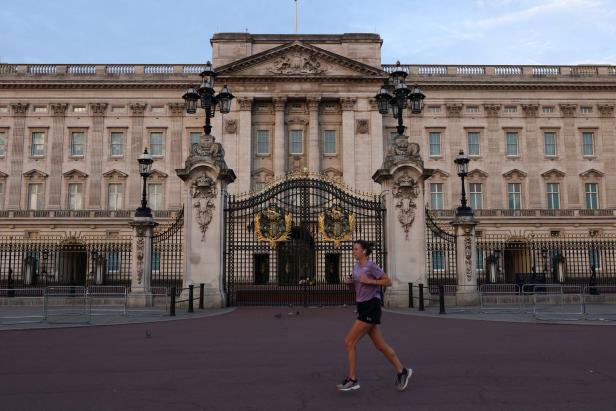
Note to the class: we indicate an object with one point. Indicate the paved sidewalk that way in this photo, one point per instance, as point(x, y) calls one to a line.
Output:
point(276, 359)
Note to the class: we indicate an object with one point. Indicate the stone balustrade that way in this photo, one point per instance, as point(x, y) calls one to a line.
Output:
point(10, 214)
point(530, 212)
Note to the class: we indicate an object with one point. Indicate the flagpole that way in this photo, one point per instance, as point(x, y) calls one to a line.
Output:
point(295, 16)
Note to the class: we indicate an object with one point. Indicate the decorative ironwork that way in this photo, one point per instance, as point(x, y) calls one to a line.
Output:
point(441, 255)
point(336, 225)
point(273, 225)
point(306, 268)
point(167, 268)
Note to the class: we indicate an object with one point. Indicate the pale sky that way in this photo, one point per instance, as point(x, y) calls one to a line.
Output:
point(414, 32)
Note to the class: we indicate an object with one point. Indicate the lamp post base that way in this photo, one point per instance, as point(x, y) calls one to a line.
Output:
point(143, 212)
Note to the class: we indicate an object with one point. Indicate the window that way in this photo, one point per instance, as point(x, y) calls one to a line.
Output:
point(473, 143)
point(549, 144)
point(297, 142)
point(259, 185)
point(78, 143)
point(2, 144)
point(514, 195)
point(434, 109)
point(548, 109)
point(511, 109)
point(38, 143)
point(155, 260)
point(479, 263)
point(117, 144)
point(592, 195)
point(594, 257)
point(35, 196)
point(435, 143)
point(472, 109)
point(195, 137)
point(436, 196)
point(588, 141)
point(74, 201)
point(79, 109)
point(261, 268)
point(329, 142)
point(438, 259)
point(512, 144)
point(155, 196)
point(115, 194)
point(113, 261)
point(157, 146)
point(475, 196)
point(585, 109)
point(40, 109)
point(553, 191)
point(263, 142)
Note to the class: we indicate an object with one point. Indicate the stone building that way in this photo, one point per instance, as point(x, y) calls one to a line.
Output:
point(542, 139)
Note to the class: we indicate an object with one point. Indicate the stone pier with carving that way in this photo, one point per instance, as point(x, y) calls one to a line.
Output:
point(206, 176)
point(402, 179)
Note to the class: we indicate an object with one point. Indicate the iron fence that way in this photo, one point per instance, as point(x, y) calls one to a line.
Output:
point(168, 254)
point(440, 255)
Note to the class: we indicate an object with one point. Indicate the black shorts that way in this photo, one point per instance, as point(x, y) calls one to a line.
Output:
point(369, 311)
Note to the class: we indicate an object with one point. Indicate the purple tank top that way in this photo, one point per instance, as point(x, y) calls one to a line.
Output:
point(365, 292)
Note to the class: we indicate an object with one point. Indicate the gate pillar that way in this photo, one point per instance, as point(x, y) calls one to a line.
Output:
point(466, 250)
point(205, 176)
point(402, 179)
point(141, 270)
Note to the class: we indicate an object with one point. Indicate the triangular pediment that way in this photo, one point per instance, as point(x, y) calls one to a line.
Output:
point(35, 173)
point(3, 175)
point(477, 173)
point(438, 173)
point(298, 59)
point(592, 173)
point(115, 173)
point(514, 174)
point(158, 174)
point(553, 173)
point(75, 173)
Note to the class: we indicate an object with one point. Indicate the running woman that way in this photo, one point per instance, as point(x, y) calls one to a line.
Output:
point(368, 277)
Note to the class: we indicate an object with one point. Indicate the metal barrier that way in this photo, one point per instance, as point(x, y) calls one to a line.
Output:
point(599, 302)
point(103, 298)
point(190, 299)
point(29, 307)
point(555, 301)
point(62, 304)
point(500, 298)
point(156, 301)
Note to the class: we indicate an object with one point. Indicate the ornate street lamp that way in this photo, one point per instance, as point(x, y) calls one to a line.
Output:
point(395, 95)
point(145, 169)
point(206, 96)
point(462, 161)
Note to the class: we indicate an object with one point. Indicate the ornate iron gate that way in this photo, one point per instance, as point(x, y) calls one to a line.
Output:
point(440, 255)
point(292, 242)
point(168, 254)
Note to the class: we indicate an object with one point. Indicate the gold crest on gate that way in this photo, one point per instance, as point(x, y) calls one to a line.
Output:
point(273, 225)
point(336, 225)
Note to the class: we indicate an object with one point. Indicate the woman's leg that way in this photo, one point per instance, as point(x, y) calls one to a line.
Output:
point(382, 346)
point(357, 331)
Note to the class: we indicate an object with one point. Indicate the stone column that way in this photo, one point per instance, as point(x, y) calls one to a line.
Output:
point(571, 155)
point(348, 140)
point(314, 153)
point(533, 153)
point(376, 139)
point(141, 270)
point(136, 148)
point(466, 250)
point(17, 154)
point(96, 144)
point(279, 146)
point(54, 188)
point(608, 129)
point(245, 144)
point(174, 191)
point(495, 156)
point(402, 179)
point(205, 177)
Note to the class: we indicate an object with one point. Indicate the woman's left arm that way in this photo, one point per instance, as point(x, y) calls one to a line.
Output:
point(384, 281)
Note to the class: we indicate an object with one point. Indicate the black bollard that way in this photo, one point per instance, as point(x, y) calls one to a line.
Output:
point(411, 295)
point(172, 302)
point(441, 299)
point(201, 295)
point(190, 298)
point(421, 298)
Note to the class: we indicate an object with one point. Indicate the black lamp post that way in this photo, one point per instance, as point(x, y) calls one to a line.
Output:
point(395, 95)
point(145, 169)
point(462, 161)
point(206, 95)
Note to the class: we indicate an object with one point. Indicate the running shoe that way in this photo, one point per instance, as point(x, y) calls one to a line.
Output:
point(402, 379)
point(348, 385)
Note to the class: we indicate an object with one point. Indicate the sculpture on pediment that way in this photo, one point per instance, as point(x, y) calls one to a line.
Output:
point(203, 192)
point(405, 191)
point(297, 63)
point(207, 150)
point(400, 151)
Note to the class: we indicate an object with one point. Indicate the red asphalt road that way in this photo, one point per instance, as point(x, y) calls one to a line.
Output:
point(252, 360)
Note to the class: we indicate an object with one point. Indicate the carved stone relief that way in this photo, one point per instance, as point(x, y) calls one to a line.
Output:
point(400, 151)
point(298, 62)
point(230, 126)
point(405, 192)
point(362, 126)
point(203, 192)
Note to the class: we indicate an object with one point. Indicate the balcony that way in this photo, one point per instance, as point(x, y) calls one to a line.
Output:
point(530, 213)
